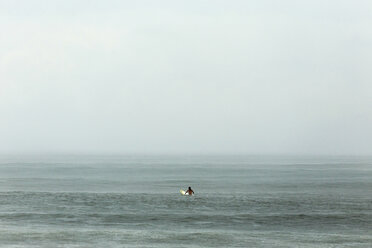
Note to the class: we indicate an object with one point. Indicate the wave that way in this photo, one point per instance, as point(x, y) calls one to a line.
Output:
point(198, 220)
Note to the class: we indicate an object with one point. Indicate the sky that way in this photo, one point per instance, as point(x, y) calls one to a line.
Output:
point(175, 76)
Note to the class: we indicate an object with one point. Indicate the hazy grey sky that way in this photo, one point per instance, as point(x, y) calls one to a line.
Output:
point(186, 76)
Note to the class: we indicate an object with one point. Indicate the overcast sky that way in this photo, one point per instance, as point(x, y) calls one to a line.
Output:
point(177, 76)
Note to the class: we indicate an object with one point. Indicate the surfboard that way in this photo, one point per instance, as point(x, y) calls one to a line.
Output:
point(183, 192)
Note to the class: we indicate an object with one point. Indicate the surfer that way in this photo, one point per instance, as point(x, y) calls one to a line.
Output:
point(189, 191)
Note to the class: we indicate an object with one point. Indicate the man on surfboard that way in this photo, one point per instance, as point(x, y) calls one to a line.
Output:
point(189, 191)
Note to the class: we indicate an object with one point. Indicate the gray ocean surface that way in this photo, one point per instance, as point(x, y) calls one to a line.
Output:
point(134, 201)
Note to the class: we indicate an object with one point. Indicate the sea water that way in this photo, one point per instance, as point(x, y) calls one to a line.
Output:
point(134, 201)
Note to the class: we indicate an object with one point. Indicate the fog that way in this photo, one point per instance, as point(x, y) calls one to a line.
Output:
point(251, 77)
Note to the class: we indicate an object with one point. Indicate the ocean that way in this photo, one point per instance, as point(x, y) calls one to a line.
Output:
point(134, 201)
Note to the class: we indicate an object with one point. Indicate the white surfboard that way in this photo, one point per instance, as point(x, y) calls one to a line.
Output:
point(183, 192)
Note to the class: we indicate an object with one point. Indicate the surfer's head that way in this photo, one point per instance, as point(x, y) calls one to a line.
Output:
point(189, 187)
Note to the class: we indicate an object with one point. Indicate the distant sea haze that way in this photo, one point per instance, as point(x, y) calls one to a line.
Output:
point(134, 201)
